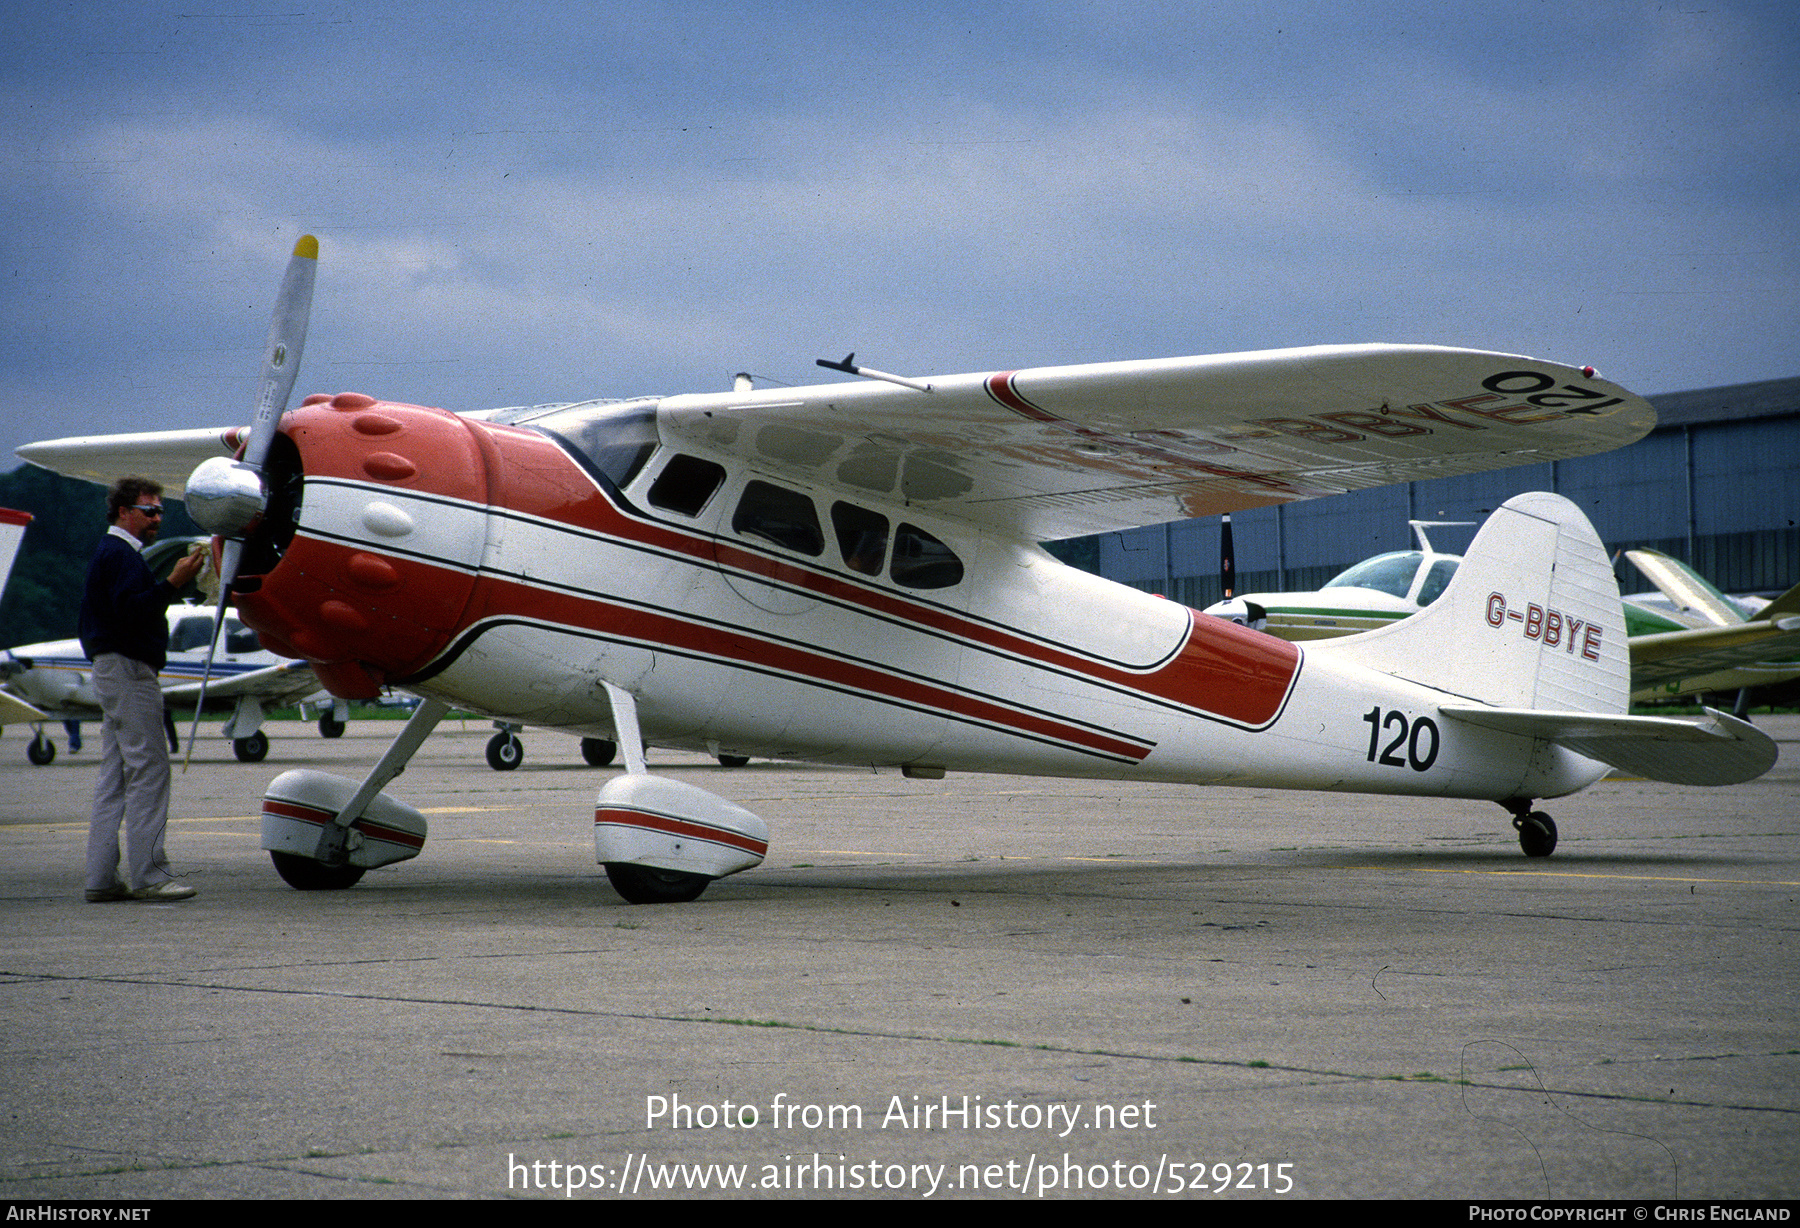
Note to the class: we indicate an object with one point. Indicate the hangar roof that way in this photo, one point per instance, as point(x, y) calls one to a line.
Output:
point(1770, 398)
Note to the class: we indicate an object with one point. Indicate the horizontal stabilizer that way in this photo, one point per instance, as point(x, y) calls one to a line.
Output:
point(1715, 750)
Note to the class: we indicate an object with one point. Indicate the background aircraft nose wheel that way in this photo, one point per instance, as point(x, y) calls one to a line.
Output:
point(1537, 833)
point(733, 761)
point(305, 874)
point(253, 749)
point(598, 752)
point(330, 727)
point(647, 885)
point(41, 750)
point(505, 752)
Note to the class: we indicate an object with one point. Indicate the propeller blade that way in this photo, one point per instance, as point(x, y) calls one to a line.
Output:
point(281, 357)
point(228, 494)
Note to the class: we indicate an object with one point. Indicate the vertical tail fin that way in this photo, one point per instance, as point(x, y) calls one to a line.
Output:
point(1531, 620)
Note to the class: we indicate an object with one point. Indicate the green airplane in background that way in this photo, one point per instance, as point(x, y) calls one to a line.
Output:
point(1686, 638)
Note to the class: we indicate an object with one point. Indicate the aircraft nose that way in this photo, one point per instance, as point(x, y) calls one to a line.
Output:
point(367, 568)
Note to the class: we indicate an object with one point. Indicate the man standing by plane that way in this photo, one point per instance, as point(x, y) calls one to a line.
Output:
point(125, 633)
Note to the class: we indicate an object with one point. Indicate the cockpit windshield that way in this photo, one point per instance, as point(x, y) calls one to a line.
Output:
point(1385, 573)
point(612, 438)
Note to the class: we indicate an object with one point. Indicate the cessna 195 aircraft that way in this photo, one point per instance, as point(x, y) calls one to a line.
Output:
point(1686, 639)
point(849, 573)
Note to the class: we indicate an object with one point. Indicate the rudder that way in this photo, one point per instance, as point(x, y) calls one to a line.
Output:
point(1532, 619)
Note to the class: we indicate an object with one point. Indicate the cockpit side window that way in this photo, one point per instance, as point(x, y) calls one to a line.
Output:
point(1437, 580)
point(862, 537)
point(785, 517)
point(190, 633)
point(685, 484)
point(239, 638)
point(922, 561)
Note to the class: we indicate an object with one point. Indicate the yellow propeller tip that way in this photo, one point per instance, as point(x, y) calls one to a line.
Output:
point(308, 247)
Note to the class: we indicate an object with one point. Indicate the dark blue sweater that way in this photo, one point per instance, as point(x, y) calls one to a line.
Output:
point(124, 609)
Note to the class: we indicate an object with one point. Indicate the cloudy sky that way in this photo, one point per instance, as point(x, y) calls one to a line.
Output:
point(522, 202)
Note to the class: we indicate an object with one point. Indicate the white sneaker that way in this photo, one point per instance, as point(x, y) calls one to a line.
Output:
point(165, 891)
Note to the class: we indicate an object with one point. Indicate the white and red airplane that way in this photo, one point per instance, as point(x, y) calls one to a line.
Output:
point(850, 573)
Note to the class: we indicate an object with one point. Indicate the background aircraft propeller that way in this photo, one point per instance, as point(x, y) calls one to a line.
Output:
point(226, 498)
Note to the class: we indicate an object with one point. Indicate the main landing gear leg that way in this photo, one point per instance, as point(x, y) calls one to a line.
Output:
point(662, 841)
point(323, 831)
point(1537, 830)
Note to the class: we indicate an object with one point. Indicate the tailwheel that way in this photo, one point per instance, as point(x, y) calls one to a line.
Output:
point(648, 885)
point(305, 874)
point(1537, 833)
point(253, 749)
point(505, 752)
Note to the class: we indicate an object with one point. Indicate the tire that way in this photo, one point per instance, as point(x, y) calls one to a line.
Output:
point(305, 874)
point(41, 750)
point(733, 761)
point(647, 885)
point(598, 752)
point(505, 752)
point(253, 749)
point(330, 728)
point(1537, 834)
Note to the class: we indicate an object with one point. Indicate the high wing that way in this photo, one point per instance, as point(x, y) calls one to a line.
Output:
point(166, 457)
point(1056, 452)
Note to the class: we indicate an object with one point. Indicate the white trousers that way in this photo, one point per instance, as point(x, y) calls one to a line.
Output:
point(133, 788)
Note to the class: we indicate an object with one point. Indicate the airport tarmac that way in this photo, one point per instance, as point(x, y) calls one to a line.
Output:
point(989, 986)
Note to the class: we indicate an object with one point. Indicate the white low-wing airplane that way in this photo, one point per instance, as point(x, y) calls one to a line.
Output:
point(56, 679)
point(849, 573)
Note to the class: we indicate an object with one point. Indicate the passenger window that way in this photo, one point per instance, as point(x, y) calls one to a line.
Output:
point(785, 517)
point(685, 484)
point(862, 537)
point(191, 633)
point(922, 561)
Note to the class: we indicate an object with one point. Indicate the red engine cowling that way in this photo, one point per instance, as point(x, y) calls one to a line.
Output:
point(359, 613)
